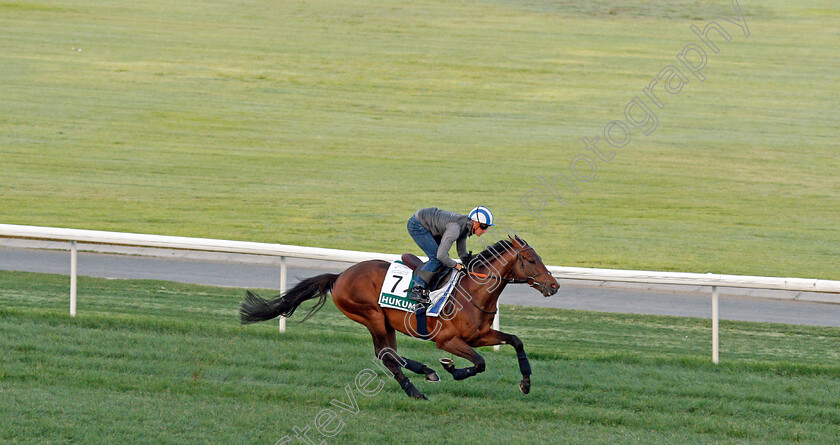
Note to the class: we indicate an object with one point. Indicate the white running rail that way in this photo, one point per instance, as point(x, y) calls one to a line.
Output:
point(74, 236)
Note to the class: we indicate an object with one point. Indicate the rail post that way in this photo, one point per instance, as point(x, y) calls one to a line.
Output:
point(282, 320)
point(496, 325)
point(715, 325)
point(74, 254)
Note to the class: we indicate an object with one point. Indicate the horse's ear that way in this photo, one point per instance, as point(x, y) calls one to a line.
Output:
point(518, 240)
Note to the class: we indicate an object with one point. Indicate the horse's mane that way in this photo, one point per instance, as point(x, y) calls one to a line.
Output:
point(486, 256)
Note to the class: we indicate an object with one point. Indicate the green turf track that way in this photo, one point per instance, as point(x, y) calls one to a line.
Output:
point(328, 123)
point(158, 362)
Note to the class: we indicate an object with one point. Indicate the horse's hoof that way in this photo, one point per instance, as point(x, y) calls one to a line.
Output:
point(419, 395)
point(525, 386)
point(447, 364)
point(432, 377)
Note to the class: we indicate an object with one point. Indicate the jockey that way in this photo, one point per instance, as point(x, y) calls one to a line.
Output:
point(435, 231)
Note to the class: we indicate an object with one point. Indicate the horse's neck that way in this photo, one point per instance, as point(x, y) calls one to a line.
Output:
point(486, 291)
point(501, 265)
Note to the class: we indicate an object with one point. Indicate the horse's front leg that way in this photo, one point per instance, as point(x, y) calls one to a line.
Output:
point(495, 337)
point(407, 363)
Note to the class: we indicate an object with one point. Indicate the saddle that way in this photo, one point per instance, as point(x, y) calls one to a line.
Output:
point(438, 280)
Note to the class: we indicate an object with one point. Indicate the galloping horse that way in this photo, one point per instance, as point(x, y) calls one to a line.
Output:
point(464, 324)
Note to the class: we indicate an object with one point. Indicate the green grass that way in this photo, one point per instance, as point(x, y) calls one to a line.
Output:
point(328, 123)
point(159, 362)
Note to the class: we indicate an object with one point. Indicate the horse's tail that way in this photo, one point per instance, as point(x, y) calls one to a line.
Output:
point(255, 308)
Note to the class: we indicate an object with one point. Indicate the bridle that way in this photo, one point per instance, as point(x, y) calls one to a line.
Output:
point(530, 280)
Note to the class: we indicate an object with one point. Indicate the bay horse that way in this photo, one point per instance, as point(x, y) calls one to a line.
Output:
point(464, 324)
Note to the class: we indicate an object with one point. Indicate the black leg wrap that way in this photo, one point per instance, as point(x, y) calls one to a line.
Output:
point(414, 366)
point(462, 373)
point(406, 385)
point(422, 330)
point(524, 365)
point(411, 390)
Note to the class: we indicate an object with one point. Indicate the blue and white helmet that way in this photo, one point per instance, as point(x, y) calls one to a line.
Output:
point(482, 215)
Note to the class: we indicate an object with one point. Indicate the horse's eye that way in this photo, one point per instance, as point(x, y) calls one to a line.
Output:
point(532, 261)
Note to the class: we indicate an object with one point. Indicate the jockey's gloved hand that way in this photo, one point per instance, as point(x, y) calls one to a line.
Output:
point(467, 258)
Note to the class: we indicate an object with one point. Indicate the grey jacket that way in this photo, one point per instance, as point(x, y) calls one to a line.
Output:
point(446, 228)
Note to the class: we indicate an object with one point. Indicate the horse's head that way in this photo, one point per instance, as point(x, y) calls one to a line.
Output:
point(529, 268)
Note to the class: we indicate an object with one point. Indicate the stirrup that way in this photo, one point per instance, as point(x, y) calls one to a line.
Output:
point(419, 294)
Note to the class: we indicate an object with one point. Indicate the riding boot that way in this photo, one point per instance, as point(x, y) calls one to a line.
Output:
point(420, 292)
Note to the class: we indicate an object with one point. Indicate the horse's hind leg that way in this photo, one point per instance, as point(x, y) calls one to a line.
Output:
point(393, 361)
point(412, 365)
point(460, 348)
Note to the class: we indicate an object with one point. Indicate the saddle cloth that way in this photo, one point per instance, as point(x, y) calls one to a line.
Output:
point(398, 281)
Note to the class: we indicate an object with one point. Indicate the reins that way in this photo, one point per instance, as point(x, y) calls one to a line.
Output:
point(506, 280)
point(530, 279)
